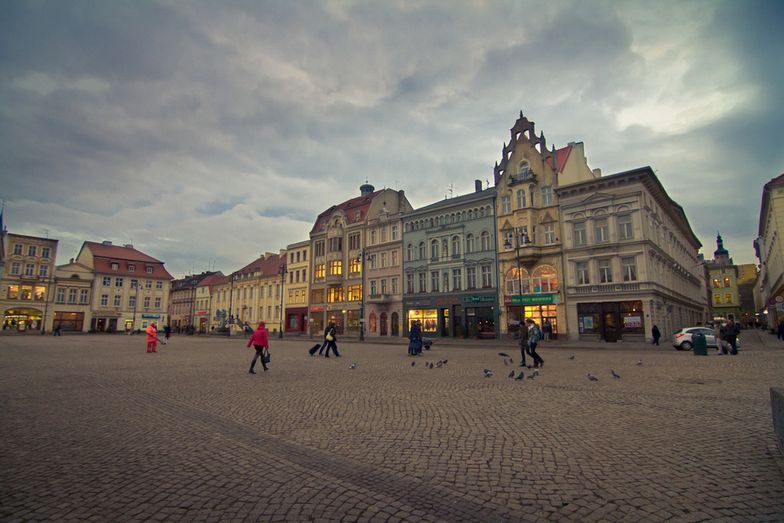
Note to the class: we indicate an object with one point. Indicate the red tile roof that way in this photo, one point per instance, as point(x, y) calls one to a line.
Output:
point(562, 155)
point(356, 211)
point(105, 255)
point(265, 265)
point(214, 279)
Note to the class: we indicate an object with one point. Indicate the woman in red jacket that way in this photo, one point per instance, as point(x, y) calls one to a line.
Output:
point(260, 341)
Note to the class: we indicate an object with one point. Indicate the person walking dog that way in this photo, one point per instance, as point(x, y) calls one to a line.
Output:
point(260, 341)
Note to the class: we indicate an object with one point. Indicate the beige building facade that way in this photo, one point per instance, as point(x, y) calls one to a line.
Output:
point(255, 292)
point(72, 297)
point(723, 280)
point(27, 281)
point(130, 288)
point(769, 249)
point(297, 288)
point(337, 243)
point(529, 239)
point(382, 282)
point(630, 259)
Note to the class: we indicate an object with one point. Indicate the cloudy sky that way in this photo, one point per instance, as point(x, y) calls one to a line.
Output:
point(206, 133)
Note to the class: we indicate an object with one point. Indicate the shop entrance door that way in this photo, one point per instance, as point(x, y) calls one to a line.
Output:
point(610, 327)
point(383, 324)
point(444, 317)
point(395, 325)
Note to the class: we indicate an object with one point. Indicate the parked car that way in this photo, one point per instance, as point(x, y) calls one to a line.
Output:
point(681, 340)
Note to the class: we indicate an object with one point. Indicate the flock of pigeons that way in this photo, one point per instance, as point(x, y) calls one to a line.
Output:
point(488, 373)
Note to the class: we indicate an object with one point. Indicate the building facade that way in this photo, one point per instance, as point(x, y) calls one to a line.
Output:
point(383, 271)
point(184, 312)
point(297, 287)
point(27, 281)
point(630, 259)
point(130, 288)
point(450, 267)
point(256, 292)
point(337, 243)
point(769, 250)
point(529, 239)
point(72, 297)
point(723, 283)
point(205, 293)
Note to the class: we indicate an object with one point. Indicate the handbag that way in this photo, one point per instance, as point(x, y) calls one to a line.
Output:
point(330, 337)
point(265, 356)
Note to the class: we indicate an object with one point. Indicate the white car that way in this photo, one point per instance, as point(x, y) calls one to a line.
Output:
point(682, 340)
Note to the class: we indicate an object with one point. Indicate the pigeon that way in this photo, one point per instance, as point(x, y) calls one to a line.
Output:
point(444, 362)
point(511, 375)
point(615, 375)
point(430, 365)
point(505, 355)
point(511, 361)
point(488, 373)
point(571, 357)
point(439, 364)
point(352, 366)
point(592, 377)
point(639, 362)
point(413, 363)
point(533, 375)
point(520, 376)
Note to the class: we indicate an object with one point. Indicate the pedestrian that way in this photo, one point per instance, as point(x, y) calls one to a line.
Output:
point(57, 330)
point(547, 329)
point(523, 342)
point(781, 329)
point(656, 333)
point(330, 340)
point(720, 332)
point(167, 331)
point(534, 335)
point(415, 339)
point(152, 337)
point(260, 341)
point(733, 330)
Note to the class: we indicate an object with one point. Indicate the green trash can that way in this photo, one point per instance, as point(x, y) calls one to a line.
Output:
point(698, 344)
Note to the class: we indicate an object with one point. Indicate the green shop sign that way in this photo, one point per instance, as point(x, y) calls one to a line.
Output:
point(533, 299)
point(479, 299)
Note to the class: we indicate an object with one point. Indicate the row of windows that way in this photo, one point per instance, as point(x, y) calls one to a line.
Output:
point(119, 282)
point(717, 282)
point(447, 281)
point(131, 267)
point(26, 292)
point(294, 276)
point(443, 248)
point(246, 293)
point(297, 296)
point(445, 219)
point(523, 199)
point(72, 294)
point(601, 230)
point(727, 299)
point(29, 269)
point(117, 301)
point(544, 279)
point(301, 256)
point(603, 271)
point(380, 286)
point(32, 250)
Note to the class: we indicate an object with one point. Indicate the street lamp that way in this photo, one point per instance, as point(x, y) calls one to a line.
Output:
point(282, 271)
point(135, 283)
point(361, 259)
point(230, 318)
point(46, 302)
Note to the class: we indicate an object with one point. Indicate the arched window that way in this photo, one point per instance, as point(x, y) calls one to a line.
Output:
point(470, 214)
point(470, 247)
point(434, 250)
point(373, 322)
point(410, 252)
point(515, 278)
point(455, 245)
point(485, 241)
point(422, 250)
point(544, 279)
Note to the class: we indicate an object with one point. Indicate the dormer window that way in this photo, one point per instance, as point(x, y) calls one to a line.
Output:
point(131, 267)
point(149, 269)
point(115, 266)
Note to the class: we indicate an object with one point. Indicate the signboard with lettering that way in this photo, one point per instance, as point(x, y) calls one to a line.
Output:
point(153, 316)
point(530, 299)
point(478, 299)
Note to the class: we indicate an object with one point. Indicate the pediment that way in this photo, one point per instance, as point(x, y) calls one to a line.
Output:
point(599, 197)
point(547, 218)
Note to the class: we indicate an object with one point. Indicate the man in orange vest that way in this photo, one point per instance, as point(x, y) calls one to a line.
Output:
point(152, 338)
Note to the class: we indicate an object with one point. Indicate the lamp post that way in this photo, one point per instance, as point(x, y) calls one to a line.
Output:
point(230, 318)
point(46, 303)
point(135, 302)
point(362, 295)
point(282, 271)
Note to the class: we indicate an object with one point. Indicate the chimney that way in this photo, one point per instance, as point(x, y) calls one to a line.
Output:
point(477, 185)
point(72, 260)
point(106, 242)
point(128, 246)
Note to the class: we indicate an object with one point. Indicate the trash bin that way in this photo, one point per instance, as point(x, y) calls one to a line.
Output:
point(698, 344)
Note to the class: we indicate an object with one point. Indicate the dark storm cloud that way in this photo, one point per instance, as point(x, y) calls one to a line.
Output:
point(190, 119)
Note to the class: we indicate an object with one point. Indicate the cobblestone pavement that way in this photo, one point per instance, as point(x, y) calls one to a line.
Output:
point(94, 428)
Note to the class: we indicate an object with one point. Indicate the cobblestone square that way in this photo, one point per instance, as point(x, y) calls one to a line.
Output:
point(94, 428)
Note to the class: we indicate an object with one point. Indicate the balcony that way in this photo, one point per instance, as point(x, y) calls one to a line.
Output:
point(379, 298)
point(334, 279)
point(605, 288)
